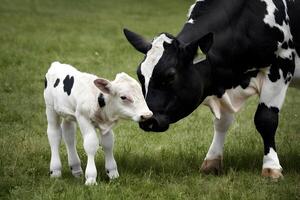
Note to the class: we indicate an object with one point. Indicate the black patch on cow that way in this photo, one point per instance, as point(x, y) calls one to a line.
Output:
point(141, 78)
point(274, 73)
point(277, 34)
point(56, 83)
point(285, 45)
point(244, 83)
point(68, 84)
point(279, 13)
point(266, 122)
point(199, 9)
point(291, 44)
point(45, 82)
point(101, 100)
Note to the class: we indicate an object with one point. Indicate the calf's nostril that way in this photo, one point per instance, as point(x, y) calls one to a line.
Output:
point(146, 116)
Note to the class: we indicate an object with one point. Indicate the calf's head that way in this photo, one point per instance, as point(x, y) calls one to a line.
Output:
point(172, 86)
point(124, 97)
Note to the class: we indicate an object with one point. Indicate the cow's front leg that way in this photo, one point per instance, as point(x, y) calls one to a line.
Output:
point(266, 119)
point(213, 160)
point(107, 142)
point(91, 145)
point(54, 137)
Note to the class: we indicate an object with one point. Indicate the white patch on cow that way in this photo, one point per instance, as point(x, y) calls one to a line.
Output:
point(273, 93)
point(152, 58)
point(271, 160)
point(190, 21)
point(233, 99)
point(284, 28)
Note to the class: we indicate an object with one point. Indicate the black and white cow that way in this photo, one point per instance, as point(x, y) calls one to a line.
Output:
point(251, 46)
point(95, 103)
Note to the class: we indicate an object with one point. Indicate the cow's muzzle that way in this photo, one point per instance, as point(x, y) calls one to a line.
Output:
point(157, 123)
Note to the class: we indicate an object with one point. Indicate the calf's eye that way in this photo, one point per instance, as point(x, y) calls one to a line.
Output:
point(123, 97)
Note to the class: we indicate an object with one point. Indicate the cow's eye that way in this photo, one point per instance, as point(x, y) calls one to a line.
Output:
point(123, 97)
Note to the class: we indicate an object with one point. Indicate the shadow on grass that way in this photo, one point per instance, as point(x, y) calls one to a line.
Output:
point(178, 165)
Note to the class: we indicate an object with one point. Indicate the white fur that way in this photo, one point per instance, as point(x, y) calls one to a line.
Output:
point(82, 106)
point(220, 129)
point(271, 160)
point(152, 57)
point(273, 93)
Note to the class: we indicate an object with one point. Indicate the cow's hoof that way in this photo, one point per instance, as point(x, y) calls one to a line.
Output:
point(113, 173)
point(212, 166)
point(91, 181)
point(273, 174)
point(55, 174)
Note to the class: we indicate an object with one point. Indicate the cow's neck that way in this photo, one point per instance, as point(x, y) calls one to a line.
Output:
point(221, 13)
point(204, 77)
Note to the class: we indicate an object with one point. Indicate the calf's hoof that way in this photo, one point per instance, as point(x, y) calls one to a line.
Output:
point(55, 173)
point(212, 166)
point(76, 171)
point(112, 174)
point(91, 181)
point(273, 174)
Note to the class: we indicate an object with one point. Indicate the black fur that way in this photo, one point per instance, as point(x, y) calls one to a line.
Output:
point(101, 100)
point(266, 122)
point(242, 41)
point(68, 84)
point(56, 83)
point(45, 82)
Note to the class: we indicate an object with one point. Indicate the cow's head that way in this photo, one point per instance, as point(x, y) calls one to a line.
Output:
point(171, 85)
point(124, 98)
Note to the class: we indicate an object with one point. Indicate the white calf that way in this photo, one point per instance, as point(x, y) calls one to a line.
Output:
point(95, 103)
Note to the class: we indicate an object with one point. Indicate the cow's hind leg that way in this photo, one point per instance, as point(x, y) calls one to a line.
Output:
point(69, 135)
point(54, 137)
point(266, 117)
point(213, 160)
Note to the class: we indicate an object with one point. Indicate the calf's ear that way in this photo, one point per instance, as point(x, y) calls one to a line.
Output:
point(104, 85)
point(137, 41)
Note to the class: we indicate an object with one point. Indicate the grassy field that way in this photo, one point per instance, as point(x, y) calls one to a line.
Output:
point(88, 35)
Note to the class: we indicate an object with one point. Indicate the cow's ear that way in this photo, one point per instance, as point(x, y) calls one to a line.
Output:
point(206, 42)
point(104, 85)
point(137, 41)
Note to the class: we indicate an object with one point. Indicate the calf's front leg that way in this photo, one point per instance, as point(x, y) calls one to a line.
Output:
point(107, 142)
point(91, 145)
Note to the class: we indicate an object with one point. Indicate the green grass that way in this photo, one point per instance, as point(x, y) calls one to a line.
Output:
point(88, 35)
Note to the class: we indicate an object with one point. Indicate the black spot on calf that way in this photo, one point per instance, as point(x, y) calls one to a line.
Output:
point(45, 81)
point(101, 100)
point(56, 83)
point(68, 84)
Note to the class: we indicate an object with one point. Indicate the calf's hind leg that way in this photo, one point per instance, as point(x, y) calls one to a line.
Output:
point(54, 137)
point(213, 160)
point(69, 135)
